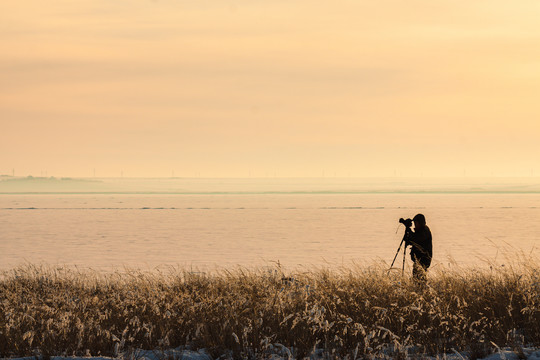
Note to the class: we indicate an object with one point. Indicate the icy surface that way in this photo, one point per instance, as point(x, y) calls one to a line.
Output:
point(298, 230)
point(176, 354)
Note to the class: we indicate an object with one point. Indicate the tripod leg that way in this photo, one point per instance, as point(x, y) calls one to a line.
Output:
point(397, 252)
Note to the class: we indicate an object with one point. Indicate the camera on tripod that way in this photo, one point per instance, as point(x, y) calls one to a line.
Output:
point(408, 231)
point(406, 222)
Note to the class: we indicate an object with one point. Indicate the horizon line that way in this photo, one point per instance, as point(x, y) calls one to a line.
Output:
point(68, 177)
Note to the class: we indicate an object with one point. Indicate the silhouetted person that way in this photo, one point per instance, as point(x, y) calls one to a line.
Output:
point(421, 248)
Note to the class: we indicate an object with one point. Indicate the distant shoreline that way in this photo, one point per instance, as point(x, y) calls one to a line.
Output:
point(487, 192)
point(265, 186)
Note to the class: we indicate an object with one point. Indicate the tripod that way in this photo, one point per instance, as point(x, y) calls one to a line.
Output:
point(404, 240)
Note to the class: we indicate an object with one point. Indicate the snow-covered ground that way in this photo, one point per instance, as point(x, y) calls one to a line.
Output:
point(140, 355)
point(282, 353)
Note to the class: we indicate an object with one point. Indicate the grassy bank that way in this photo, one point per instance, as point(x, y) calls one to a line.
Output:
point(346, 312)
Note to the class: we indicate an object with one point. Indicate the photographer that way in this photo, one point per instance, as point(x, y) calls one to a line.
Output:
point(421, 247)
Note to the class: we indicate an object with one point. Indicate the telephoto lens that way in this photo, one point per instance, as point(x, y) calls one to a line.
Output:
point(406, 222)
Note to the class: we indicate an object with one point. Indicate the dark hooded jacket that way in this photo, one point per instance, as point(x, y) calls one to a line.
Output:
point(421, 246)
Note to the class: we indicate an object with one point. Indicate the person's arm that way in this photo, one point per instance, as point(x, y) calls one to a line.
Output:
point(409, 234)
point(421, 243)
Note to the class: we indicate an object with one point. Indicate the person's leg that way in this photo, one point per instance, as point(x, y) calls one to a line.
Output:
point(419, 273)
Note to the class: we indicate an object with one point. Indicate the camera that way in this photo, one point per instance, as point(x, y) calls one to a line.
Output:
point(406, 222)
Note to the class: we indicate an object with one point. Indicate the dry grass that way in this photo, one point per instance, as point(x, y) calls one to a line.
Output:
point(361, 312)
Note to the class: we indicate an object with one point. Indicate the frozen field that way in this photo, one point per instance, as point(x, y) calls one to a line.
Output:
point(228, 223)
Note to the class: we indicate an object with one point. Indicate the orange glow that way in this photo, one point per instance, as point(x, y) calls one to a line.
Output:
point(288, 88)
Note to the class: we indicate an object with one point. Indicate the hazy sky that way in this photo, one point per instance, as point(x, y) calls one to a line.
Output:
point(270, 88)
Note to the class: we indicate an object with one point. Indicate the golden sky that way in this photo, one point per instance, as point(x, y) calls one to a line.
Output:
point(270, 88)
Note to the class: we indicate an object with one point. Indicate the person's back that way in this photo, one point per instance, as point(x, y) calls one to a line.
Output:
point(421, 247)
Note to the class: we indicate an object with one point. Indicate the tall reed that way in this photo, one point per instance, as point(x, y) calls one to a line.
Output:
point(342, 313)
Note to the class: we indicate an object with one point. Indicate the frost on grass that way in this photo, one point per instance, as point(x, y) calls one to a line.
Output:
point(341, 313)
